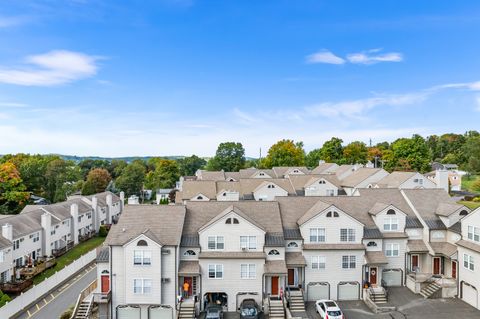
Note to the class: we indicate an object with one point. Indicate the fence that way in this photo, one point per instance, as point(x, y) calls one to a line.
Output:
point(38, 291)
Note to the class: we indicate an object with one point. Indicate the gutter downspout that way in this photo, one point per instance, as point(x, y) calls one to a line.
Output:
point(111, 283)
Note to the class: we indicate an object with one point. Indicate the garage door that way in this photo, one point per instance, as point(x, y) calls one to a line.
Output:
point(348, 291)
point(392, 277)
point(160, 312)
point(128, 312)
point(469, 295)
point(318, 290)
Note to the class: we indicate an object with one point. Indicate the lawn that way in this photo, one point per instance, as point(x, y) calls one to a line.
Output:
point(467, 182)
point(69, 257)
point(471, 205)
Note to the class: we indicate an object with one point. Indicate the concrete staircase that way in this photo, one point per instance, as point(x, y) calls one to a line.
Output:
point(297, 303)
point(276, 309)
point(187, 310)
point(83, 311)
point(378, 296)
point(430, 290)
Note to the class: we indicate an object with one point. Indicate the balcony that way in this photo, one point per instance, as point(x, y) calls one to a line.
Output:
point(86, 236)
point(102, 297)
point(60, 251)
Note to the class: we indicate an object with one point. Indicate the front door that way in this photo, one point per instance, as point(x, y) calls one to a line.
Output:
point(105, 284)
point(373, 275)
point(436, 265)
point(190, 286)
point(414, 262)
point(291, 277)
point(454, 269)
point(275, 285)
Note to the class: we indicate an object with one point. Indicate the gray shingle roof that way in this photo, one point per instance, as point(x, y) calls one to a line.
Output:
point(325, 168)
point(456, 228)
point(103, 255)
point(190, 241)
point(274, 267)
point(395, 179)
point(190, 267)
point(371, 233)
point(359, 176)
point(435, 224)
point(274, 240)
point(375, 258)
point(292, 233)
point(4, 242)
point(417, 246)
point(426, 201)
point(443, 248)
point(413, 222)
point(295, 259)
point(469, 245)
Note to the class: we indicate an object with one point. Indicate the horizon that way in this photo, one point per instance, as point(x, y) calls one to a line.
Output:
point(182, 76)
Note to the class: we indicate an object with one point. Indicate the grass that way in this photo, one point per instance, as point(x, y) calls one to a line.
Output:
point(471, 205)
point(69, 257)
point(467, 182)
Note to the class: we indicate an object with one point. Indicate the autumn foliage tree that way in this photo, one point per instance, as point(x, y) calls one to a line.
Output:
point(97, 181)
point(12, 191)
point(285, 153)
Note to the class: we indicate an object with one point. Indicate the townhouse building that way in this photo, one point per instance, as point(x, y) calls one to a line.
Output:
point(317, 246)
point(41, 231)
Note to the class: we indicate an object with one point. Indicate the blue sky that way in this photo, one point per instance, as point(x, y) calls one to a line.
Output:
point(176, 77)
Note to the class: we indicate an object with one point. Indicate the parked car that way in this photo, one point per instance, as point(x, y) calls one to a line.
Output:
point(214, 312)
point(328, 309)
point(248, 309)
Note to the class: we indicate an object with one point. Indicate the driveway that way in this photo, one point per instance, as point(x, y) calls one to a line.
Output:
point(409, 305)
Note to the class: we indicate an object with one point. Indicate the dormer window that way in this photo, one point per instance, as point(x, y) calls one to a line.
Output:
point(224, 194)
point(391, 212)
point(332, 214)
point(189, 253)
point(372, 244)
point(463, 213)
point(235, 221)
point(321, 181)
point(231, 221)
point(261, 174)
point(228, 221)
point(271, 186)
point(199, 197)
point(295, 171)
point(292, 245)
point(273, 252)
point(142, 242)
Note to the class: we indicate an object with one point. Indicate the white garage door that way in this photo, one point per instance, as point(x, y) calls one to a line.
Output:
point(469, 295)
point(392, 277)
point(128, 312)
point(319, 290)
point(160, 312)
point(348, 291)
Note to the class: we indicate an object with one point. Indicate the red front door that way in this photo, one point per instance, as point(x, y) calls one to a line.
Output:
point(454, 269)
point(291, 277)
point(105, 284)
point(414, 262)
point(275, 285)
point(436, 265)
point(373, 275)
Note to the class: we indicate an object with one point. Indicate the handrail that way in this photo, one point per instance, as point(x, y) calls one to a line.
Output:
point(85, 292)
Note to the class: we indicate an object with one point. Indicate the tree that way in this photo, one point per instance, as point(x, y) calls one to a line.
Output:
point(97, 181)
point(332, 150)
point(132, 178)
point(165, 175)
point(355, 152)
point(117, 166)
point(471, 151)
point(409, 154)
point(313, 157)
point(285, 153)
point(12, 191)
point(4, 298)
point(189, 165)
point(61, 178)
point(230, 157)
point(88, 164)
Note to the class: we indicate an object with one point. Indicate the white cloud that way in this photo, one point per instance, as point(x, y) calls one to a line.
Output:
point(473, 86)
point(50, 69)
point(373, 56)
point(8, 22)
point(12, 104)
point(324, 57)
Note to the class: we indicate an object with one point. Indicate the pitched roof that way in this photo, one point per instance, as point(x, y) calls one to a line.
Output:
point(413, 222)
point(371, 233)
point(292, 233)
point(274, 240)
point(24, 224)
point(250, 185)
point(375, 258)
point(103, 255)
point(325, 168)
point(234, 175)
point(162, 223)
point(317, 208)
point(443, 248)
point(417, 246)
point(435, 224)
point(228, 210)
point(456, 228)
point(378, 207)
point(191, 189)
point(447, 209)
point(190, 267)
point(333, 247)
point(251, 172)
point(280, 171)
point(102, 198)
point(359, 176)
point(273, 267)
point(426, 201)
point(4, 242)
point(342, 169)
point(295, 259)
point(469, 245)
point(231, 255)
point(212, 175)
point(395, 179)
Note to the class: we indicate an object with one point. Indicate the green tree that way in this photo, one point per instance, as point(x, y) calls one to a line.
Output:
point(12, 191)
point(230, 157)
point(97, 181)
point(4, 298)
point(313, 157)
point(332, 150)
point(165, 175)
point(285, 153)
point(88, 164)
point(471, 151)
point(132, 178)
point(117, 167)
point(409, 154)
point(62, 178)
point(189, 165)
point(355, 152)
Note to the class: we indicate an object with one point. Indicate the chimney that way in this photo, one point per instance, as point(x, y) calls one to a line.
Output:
point(441, 179)
point(7, 231)
point(47, 228)
point(109, 200)
point(122, 200)
point(95, 215)
point(74, 225)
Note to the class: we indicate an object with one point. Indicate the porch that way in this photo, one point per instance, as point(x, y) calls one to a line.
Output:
point(189, 282)
point(373, 269)
point(63, 247)
point(295, 263)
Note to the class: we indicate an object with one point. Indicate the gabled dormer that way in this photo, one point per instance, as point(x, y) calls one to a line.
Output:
point(450, 213)
point(388, 218)
point(228, 195)
point(267, 191)
point(200, 198)
point(261, 174)
point(320, 186)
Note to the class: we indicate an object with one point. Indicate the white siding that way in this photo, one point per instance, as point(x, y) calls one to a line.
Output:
point(467, 275)
point(395, 262)
point(320, 189)
point(414, 233)
point(380, 219)
point(169, 271)
point(411, 184)
point(268, 194)
point(229, 196)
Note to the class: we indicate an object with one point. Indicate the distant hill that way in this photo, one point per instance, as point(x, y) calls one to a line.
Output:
point(127, 159)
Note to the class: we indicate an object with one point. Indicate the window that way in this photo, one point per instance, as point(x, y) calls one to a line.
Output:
point(2, 256)
point(16, 244)
point(317, 235)
point(463, 213)
point(372, 244)
point(271, 186)
point(215, 271)
point(391, 212)
point(474, 233)
point(142, 257)
point(321, 181)
point(390, 223)
point(216, 243)
point(35, 237)
point(468, 262)
point(391, 250)
point(292, 244)
point(347, 234)
point(248, 271)
point(224, 194)
point(142, 243)
point(318, 262)
point(235, 221)
point(331, 192)
point(273, 252)
point(142, 286)
point(332, 214)
point(228, 221)
point(199, 197)
point(248, 242)
point(189, 253)
point(349, 262)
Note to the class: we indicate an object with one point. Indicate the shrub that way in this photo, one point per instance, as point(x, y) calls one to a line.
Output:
point(476, 185)
point(102, 232)
point(4, 298)
point(476, 199)
point(67, 313)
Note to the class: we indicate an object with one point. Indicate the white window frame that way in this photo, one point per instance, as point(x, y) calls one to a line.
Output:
point(349, 262)
point(219, 241)
point(142, 257)
point(468, 262)
point(390, 224)
point(317, 235)
point(473, 233)
point(248, 271)
point(248, 242)
point(348, 236)
point(217, 269)
point(391, 249)
point(142, 286)
point(318, 262)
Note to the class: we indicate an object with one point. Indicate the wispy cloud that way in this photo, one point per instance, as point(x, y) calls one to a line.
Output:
point(324, 57)
point(51, 69)
point(13, 104)
point(13, 21)
point(365, 57)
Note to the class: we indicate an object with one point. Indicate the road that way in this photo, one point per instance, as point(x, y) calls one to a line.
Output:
point(53, 305)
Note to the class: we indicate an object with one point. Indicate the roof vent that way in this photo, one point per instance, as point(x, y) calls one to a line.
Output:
point(123, 229)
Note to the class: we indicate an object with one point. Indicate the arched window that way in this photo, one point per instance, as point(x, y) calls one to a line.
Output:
point(329, 214)
point(199, 197)
point(273, 252)
point(321, 181)
point(372, 244)
point(142, 242)
point(261, 174)
point(295, 170)
point(189, 253)
point(335, 214)
point(271, 186)
point(235, 221)
point(228, 221)
point(105, 271)
point(463, 213)
point(224, 194)
point(292, 244)
point(391, 212)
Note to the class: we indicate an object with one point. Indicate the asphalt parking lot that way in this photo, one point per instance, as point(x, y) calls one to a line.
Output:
point(409, 306)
